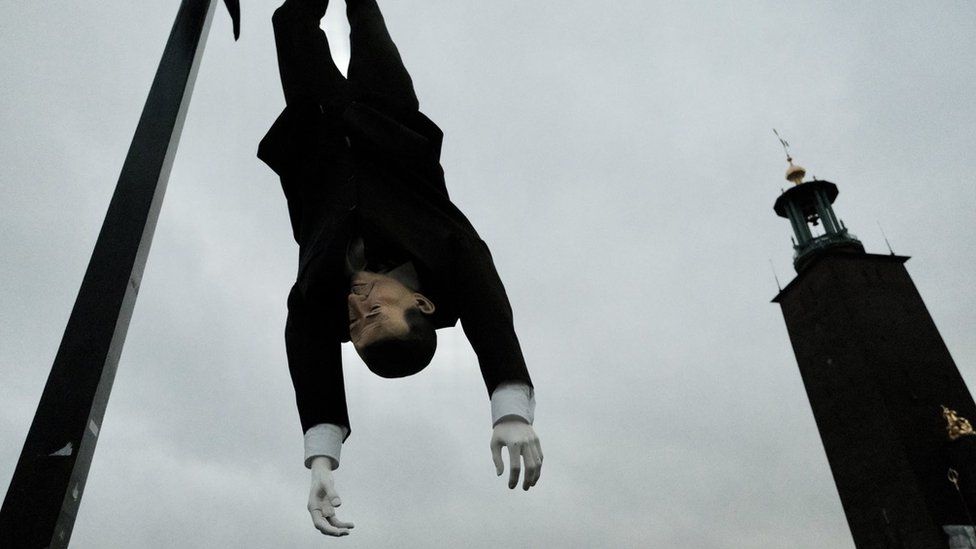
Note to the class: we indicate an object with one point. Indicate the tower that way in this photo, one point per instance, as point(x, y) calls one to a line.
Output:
point(887, 398)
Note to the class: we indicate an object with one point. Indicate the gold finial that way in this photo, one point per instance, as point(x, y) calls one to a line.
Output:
point(794, 173)
point(956, 426)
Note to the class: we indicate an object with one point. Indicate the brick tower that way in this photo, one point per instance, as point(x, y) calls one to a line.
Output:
point(888, 400)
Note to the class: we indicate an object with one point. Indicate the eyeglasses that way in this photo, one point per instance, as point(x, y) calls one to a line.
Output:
point(362, 289)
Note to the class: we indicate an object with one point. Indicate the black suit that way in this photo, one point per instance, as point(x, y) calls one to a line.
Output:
point(356, 157)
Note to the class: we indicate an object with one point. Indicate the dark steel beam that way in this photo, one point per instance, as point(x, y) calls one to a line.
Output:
point(42, 501)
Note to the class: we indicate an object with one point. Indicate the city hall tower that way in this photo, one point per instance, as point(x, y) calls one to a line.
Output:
point(888, 400)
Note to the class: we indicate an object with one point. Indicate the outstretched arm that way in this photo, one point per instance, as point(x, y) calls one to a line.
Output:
point(315, 364)
point(487, 320)
point(486, 315)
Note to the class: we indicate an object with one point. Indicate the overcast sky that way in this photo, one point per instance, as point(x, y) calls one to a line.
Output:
point(618, 158)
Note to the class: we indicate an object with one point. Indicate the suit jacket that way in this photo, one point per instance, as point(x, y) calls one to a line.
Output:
point(355, 169)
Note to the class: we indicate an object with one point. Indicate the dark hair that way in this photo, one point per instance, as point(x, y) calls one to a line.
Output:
point(403, 356)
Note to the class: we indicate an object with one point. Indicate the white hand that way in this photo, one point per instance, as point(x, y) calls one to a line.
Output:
point(323, 499)
point(522, 441)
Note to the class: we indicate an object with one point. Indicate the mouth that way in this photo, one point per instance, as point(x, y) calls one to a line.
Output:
point(365, 333)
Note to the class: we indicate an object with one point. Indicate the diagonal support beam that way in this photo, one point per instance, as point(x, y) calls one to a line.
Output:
point(42, 501)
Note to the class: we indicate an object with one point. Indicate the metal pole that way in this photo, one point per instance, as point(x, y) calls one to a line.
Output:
point(42, 502)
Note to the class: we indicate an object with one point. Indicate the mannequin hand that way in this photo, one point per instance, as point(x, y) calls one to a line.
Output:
point(522, 441)
point(323, 499)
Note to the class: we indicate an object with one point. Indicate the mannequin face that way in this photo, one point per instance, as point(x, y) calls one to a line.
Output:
point(377, 308)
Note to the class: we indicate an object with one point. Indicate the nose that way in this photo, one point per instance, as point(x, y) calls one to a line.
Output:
point(356, 303)
point(362, 305)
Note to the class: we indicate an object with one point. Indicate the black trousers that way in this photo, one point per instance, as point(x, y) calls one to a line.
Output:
point(309, 76)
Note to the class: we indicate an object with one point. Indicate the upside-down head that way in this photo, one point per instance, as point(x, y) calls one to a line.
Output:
point(390, 325)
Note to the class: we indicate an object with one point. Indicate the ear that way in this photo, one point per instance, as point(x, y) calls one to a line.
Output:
point(425, 305)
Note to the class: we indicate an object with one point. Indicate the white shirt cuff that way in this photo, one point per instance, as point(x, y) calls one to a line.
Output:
point(324, 439)
point(513, 398)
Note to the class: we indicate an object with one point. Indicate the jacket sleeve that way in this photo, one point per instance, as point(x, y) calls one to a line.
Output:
point(486, 315)
point(315, 363)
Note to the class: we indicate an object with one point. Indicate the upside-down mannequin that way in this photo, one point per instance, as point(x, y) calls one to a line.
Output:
point(385, 257)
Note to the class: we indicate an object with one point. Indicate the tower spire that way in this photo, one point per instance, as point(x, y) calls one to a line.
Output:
point(810, 204)
point(785, 144)
point(794, 173)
